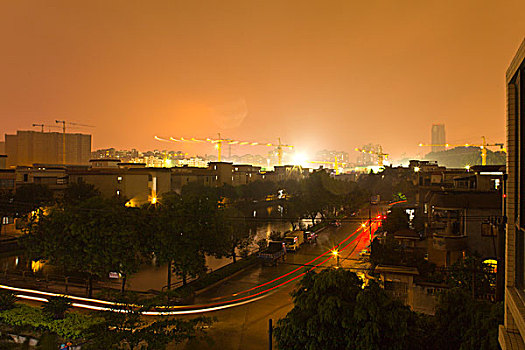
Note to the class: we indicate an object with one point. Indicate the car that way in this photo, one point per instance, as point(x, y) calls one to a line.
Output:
point(310, 237)
point(364, 253)
point(335, 223)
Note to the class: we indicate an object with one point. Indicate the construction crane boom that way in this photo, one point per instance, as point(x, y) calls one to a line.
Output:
point(482, 147)
point(381, 157)
point(45, 125)
point(219, 142)
point(335, 164)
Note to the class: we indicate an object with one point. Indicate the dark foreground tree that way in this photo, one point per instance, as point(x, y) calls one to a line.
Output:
point(333, 311)
point(462, 322)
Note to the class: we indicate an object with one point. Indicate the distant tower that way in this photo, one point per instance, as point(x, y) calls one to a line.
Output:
point(438, 137)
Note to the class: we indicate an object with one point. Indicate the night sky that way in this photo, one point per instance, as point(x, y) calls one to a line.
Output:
point(318, 74)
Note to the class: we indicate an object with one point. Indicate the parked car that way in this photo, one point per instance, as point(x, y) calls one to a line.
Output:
point(364, 253)
point(335, 223)
point(310, 237)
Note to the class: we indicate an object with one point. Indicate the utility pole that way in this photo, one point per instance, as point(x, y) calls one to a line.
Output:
point(370, 221)
point(270, 334)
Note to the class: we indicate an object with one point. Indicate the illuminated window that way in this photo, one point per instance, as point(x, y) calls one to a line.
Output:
point(118, 192)
point(119, 179)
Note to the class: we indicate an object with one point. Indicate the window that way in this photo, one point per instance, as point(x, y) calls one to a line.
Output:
point(26, 177)
point(118, 193)
point(119, 179)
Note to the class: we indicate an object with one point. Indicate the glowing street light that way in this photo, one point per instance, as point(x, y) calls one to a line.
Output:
point(416, 169)
point(335, 253)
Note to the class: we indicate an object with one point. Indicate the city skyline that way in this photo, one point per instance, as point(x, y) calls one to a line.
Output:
point(325, 76)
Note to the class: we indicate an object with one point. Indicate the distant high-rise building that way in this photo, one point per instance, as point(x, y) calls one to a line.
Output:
point(370, 156)
point(30, 147)
point(438, 137)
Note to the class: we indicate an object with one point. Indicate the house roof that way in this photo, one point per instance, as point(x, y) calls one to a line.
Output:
point(400, 270)
point(466, 199)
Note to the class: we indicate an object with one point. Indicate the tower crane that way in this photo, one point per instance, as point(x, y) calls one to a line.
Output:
point(335, 164)
point(379, 153)
point(45, 125)
point(64, 123)
point(220, 142)
point(482, 147)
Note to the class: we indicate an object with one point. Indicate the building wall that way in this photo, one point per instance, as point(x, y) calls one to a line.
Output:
point(30, 147)
point(438, 137)
point(512, 332)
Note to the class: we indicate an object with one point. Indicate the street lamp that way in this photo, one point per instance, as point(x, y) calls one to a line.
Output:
point(336, 254)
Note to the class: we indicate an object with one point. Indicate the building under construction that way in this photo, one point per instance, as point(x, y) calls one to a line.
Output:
point(33, 147)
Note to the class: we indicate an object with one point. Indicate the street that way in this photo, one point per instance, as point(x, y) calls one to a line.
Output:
point(246, 326)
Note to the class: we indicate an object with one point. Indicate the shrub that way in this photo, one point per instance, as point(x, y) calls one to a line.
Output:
point(7, 300)
point(56, 308)
point(73, 326)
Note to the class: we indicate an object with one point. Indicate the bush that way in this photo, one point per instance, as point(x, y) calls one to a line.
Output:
point(73, 326)
point(56, 308)
point(7, 300)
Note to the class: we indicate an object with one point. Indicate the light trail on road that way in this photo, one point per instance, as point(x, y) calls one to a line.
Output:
point(201, 308)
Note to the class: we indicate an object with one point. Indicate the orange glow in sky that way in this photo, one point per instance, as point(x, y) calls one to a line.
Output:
point(317, 74)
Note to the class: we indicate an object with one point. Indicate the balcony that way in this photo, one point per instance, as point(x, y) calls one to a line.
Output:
point(449, 242)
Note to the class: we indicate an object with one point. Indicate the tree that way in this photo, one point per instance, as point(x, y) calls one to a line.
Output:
point(387, 252)
point(332, 311)
point(238, 231)
point(384, 322)
point(323, 312)
point(56, 307)
point(124, 327)
point(396, 220)
point(93, 237)
point(29, 197)
point(461, 322)
point(7, 300)
point(78, 192)
point(474, 276)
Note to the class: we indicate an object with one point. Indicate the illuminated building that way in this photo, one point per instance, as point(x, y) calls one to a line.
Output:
point(30, 147)
point(438, 137)
point(512, 332)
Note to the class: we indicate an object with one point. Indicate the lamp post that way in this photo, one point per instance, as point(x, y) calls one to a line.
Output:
point(336, 254)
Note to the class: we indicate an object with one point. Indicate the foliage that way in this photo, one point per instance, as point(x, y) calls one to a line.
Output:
point(459, 157)
point(56, 307)
point(396, 220)
point(93, 237)
point(473, 276)
point(7, 300)
point(127, 329)
point(323, 312)
point(72, 326)
point(333, 311)
point(384, 323)
point(238, 231)
point(79, 192)
point(462, 322)
point(29, 197)
point(387, 253)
